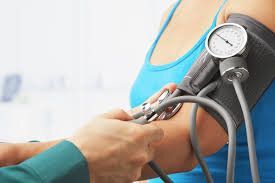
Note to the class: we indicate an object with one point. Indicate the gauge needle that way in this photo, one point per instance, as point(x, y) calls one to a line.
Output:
point(224, 40)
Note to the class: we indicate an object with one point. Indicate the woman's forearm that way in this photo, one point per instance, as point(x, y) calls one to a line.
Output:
point(175, 153)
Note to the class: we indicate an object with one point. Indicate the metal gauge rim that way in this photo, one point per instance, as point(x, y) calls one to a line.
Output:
point(242, 47)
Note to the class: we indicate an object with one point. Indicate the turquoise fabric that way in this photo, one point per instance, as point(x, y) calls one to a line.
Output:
point(63, 163)
point(152, 78)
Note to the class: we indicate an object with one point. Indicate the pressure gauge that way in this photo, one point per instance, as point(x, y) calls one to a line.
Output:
point(226, 40)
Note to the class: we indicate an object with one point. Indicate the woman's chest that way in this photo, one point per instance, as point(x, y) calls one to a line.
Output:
point(187, 26)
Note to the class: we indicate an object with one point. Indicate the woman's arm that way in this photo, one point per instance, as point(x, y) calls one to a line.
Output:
point(175, 154)
point(262, 11)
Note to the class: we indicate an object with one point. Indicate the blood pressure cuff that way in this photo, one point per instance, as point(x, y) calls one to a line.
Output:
point(261, 66)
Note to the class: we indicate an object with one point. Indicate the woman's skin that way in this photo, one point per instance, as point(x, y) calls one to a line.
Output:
point(175, 153)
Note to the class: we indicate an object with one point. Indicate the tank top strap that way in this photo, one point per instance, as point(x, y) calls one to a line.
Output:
point(171, 13)
point(166, 22)
point(214, 23)
point(168, 19)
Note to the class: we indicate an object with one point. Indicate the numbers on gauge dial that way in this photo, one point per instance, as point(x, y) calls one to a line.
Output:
point(227, 40)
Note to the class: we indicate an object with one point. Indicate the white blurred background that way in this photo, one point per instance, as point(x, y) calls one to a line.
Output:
point(64, 61)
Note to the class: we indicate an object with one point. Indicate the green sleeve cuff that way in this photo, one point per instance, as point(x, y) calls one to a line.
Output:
point(61, 163)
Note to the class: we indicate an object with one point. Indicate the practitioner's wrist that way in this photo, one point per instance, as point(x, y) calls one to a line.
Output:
point(8, 154)
point(25, 151)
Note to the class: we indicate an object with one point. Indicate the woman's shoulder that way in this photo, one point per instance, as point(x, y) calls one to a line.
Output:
point(262, 11)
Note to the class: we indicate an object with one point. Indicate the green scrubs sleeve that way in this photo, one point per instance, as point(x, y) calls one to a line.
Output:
point(63, 163)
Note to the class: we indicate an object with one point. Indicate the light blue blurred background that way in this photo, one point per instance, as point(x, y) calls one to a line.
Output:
point(64, 61)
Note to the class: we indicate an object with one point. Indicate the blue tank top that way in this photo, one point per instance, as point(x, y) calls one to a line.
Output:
point(152, 78)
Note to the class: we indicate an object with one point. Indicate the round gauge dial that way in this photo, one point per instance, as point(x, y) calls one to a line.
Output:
point(226, 40)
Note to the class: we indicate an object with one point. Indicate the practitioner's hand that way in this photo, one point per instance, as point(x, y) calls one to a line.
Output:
point(116, 151)
point(171, 87)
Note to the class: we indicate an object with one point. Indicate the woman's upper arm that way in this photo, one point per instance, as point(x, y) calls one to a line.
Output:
point(262, 11)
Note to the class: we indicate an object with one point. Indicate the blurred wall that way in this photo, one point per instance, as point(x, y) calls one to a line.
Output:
point(72, 57)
